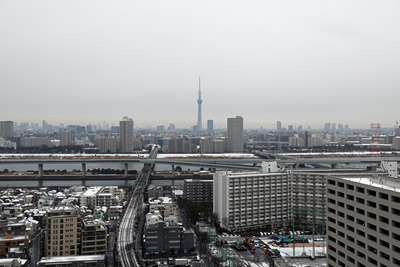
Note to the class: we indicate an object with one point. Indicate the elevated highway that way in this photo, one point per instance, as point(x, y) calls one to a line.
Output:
point(129, 232)
point(206, 162)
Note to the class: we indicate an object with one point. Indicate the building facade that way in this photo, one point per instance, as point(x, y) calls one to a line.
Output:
point(63, 233)
point(6, 129)
point(126, 135)
point(198, 191)
point(235, 135)
point(246, 201)
point(210, 126)
point(94, 237)
point(167, 240)
point(363, 221)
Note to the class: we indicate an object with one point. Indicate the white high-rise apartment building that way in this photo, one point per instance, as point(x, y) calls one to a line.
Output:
point(235, 135)
point(363, 221)
point(126, 135)
point(246, 201)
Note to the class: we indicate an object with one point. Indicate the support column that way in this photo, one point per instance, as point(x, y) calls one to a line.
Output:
point(334, 165)
point(40, 169)
point(126, 170)
point(83, 169)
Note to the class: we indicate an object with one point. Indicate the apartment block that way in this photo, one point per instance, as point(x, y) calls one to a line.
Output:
point(198, 191)
point(246, 201)
point(309, 198)
point(63, 233)
point(14, 237)
point(167, 239)
point(94, 237)
point(363, 221)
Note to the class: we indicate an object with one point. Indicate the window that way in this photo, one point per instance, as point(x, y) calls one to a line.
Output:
point(396, 199)
point(349, 187)
point(396, 211)
point(396, 224)
point(373, 261)
point(360, 243)
point(360, 211)
point(371, 192)
point(350, 238)
point(371, 226)
point(384, 207)
point(332, 201)
point(332, 192)
point(372, 249)
point(361, 233)
point(383, 196)
point(383, 231)
point(360, 190)
point(383, 219)
point(372, 238)
point(384, 255)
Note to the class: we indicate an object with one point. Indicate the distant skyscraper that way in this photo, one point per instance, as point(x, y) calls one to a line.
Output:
point(199, 101)
point(235, 135)
point(279, 126)
point(115, 129)
point(210, 126)
point(6, 129)
point(126, 135)
point(171, 127)
point(160, 128)
point(65, 138)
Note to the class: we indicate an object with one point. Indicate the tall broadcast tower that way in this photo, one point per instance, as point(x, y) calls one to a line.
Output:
point(199, 101)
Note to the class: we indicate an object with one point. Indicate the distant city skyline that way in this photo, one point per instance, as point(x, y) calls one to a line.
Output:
point(278, 125)
point(302, 63)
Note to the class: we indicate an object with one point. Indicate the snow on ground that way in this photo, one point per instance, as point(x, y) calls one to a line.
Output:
point(221, 155)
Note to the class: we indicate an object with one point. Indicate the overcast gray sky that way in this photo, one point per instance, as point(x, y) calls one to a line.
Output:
point(300, 62)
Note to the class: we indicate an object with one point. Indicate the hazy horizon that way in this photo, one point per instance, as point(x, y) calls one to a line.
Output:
point(300, 62)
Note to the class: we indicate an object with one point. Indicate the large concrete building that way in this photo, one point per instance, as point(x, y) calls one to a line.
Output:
point(6, 129)
point(66, 138)
point(167, 239)
point(126, 135)
point(309, 198)
point(235, 135)
point(245, 201)
point(363, 221)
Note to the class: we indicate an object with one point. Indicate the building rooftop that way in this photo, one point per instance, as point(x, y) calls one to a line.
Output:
point(92, 191)
point(383, 182)
point(72, 258)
